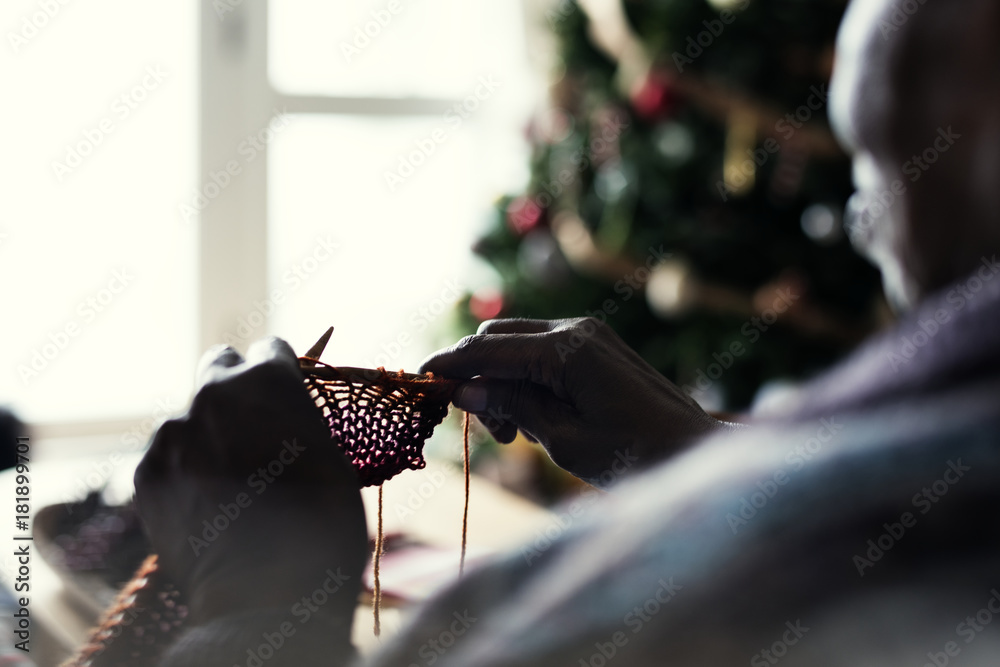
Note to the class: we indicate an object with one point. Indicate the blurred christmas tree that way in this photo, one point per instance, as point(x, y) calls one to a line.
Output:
point(686, 187)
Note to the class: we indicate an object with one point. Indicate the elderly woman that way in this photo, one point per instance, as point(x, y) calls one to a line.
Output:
point(855, 525)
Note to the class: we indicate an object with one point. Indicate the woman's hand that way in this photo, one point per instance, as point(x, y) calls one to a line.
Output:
point(246, 498)
point(575, 387)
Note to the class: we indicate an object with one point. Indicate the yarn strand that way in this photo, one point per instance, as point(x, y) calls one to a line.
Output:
point(377, 556)
point(377, 587)
point(465, 511)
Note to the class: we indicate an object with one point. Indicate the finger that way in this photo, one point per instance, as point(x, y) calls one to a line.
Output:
point(501, 403)
point(474, 397)
point(502, 356)
point(502, 433)
point(272, 350)
point(516, 326)
point(215, 362)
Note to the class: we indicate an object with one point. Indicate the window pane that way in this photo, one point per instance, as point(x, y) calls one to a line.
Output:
point(96, 266)
point(393, 48)
point(402, 250)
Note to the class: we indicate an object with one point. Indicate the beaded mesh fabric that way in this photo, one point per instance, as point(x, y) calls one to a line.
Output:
point(379, 419)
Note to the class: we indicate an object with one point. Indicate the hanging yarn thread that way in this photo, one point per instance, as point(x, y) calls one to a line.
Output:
point(465, 509)
point(376, 563)
point(380, 420)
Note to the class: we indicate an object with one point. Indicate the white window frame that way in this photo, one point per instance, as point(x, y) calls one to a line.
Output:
point(237, 100)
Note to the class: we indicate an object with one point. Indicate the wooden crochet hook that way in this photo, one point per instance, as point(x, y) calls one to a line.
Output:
point(316, 351)
point(310, 360)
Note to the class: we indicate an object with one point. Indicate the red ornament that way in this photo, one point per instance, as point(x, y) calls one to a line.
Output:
point(523, 215)
point(656, 97)
point(486, 303)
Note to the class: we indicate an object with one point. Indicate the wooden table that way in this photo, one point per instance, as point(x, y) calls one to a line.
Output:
point(426, 504)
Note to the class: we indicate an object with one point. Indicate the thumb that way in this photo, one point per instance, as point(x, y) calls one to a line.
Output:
point(499, 404)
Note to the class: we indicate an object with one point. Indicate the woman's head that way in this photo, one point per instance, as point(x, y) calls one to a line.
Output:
point(916, 98)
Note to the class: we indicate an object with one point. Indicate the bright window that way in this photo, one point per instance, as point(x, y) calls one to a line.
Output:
point(397, 125)
point(97, 273)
